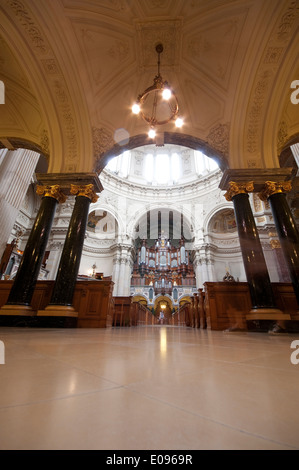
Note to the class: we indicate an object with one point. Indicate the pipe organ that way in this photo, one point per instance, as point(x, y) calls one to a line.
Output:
point(163, 266)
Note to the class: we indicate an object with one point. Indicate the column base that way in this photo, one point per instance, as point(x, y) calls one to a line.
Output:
point(58, 316)
point(267, 314)
point(17, 310)
point(295, 316)
point(58, 311)
point(17, 315)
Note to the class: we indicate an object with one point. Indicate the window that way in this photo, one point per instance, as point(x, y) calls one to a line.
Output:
point(125, 163)
point(203, 163)
point(112, 165)
point(175, 167)
point(162, 169)
point(149, 167)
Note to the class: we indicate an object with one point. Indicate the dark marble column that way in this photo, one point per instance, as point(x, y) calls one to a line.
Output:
point(66, 278)
point(23, 287)
point(275, 194)
point(263, 302)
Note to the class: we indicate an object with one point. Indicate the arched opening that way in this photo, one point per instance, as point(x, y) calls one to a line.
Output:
point(140, 299)
point(163, 308)
point(167, 138)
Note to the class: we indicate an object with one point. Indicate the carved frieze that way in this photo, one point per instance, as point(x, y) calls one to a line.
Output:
point(271, 61)
point(282, 135)
point(287, 20)
point(44, 142)
point(102, 141)
point(53, 71)
point(24, 16)
point(218, 138)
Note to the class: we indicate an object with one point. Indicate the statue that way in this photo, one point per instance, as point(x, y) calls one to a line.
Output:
point(228, 277)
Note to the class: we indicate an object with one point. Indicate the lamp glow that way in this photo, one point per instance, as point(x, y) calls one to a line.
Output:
point(158, 104)
point(166, 94)
point(152, 133)
point(179, 122)
point(136, 108)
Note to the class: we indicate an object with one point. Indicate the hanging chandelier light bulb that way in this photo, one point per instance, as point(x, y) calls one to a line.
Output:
point(166, 93)
point(158, 104)
point(179, 122)
point(152, 133)
point(136, 108)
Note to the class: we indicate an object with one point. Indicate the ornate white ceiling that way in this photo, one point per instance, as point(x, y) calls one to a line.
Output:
point(73, 68)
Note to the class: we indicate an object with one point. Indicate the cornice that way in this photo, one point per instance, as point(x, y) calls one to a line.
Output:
point(94, 250)
point(115, 184)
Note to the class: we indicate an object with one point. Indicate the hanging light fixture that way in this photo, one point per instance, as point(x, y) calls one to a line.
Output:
point(158, 104)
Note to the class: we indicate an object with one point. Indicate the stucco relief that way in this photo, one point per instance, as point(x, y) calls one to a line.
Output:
point(168, 32)
point(51, 66)
point(102, 141)
point(25, 18)
point(271, 60)
point(218, 138)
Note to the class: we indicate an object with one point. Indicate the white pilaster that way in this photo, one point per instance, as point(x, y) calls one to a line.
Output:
point(16, 171)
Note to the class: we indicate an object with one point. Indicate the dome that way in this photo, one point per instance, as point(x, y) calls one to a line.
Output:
point(169, 165)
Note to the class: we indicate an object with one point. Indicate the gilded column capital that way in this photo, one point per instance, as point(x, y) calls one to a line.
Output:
point(275, 244)
point(273, 187)
point(238, 188)
point(53, 191)
point(86, 190)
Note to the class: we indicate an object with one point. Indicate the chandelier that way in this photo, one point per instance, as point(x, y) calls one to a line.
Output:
point(158, 104)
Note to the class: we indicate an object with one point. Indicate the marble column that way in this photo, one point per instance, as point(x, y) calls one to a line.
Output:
point(65, 283)
point(23, 287)
point(262, 297)
point(275, 194)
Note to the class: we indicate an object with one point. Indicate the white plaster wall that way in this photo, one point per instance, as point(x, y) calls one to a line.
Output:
point(103, 262)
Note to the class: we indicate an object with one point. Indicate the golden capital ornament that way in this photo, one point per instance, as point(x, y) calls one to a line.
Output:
point(238, 188)
point(273, 187)
point(86, 190)
point(51, 191)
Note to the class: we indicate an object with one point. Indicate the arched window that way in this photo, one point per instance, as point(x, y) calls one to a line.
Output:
point(162, 170)
point(151, 294)
point(149, 167)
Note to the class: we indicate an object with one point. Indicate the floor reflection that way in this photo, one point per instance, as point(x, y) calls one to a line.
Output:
point(163, 341)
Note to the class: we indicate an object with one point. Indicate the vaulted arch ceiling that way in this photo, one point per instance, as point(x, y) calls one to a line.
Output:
point(72, 69)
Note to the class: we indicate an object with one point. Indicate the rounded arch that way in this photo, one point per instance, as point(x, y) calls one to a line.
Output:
point(223, 221)
point(163, 298)
point(102, 224)
point(176, 138)
point(286, 157)
point(163, 308)
point(140, 219)
point(281, 117)
point(184, 299)
point(140, 299)
point(51, 105)
point(216, 210)
point(14, 143)
point(110, 210)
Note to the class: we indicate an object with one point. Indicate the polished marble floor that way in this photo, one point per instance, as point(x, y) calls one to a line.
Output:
point(159, 387)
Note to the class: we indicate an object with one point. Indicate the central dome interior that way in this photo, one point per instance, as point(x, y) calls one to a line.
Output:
point(161, 166)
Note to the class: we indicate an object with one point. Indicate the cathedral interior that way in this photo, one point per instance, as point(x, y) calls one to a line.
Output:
point(149, 244)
